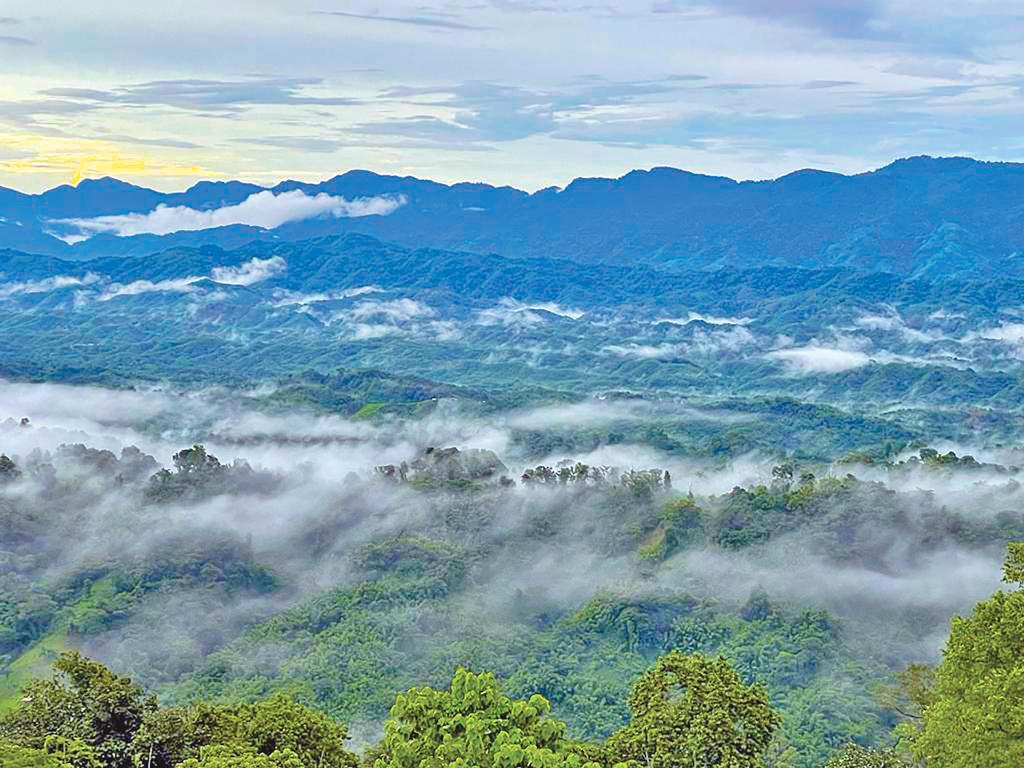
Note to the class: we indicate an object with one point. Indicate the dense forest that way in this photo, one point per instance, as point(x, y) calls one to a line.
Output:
point(697, 495)
point(795, 607)
point(687, 709)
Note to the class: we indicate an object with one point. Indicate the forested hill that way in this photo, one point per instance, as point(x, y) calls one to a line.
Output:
point(353, 261)
point(918, 217)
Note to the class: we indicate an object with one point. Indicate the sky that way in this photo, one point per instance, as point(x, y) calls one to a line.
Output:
point(531, 93)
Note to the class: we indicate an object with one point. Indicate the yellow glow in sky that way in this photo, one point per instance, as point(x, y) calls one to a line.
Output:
point(82, 158)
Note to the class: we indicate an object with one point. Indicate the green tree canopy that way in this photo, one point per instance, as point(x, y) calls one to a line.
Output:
point(854, 756)
point(691, 711)
point(975, 718)
point(84, 703)
point(474, 724)
point(239, 756)
point(55, 753)
point(88, 717)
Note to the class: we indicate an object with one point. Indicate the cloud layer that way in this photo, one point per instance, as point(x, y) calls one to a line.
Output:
point(265, 210)
point(818, 359)
point(251, 272)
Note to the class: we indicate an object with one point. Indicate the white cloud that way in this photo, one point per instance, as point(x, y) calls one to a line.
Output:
point(709, 319)
point(730, 339)
point(47, 284)
point(942, 314)
point(262, 209)
point(644, 351)
point(249, 273)
point(285, 298)
point(375, 319)
point(399, 310)
point(879, 322)
point(545, 306)
point(1008, 333)
point(586, 414)
point(504, 316)
point(445, 330)
point(816, 359)
point(254, 271)
point(365, 331)
point(177, 285)
point(512, 312)
point(894, 323)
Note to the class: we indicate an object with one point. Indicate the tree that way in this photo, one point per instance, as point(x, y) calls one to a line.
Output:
point(909, 698)
point(55, 753)
point(195, 471)
point(474, 724)
point(278, 729)
point(783, 473)
point(281, 723)
point(975, 718)
point(84, 703)
point(237, 756)
point(196, 461)
point(88, 717)
point(854, 756)
point(691, 711)
point(170, 735)
point(8, 469)
point(1013, 567)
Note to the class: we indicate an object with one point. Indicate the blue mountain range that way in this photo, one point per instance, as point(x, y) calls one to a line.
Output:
point(918, 217)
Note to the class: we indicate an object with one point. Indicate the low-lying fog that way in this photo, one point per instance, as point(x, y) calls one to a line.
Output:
point(315, 473)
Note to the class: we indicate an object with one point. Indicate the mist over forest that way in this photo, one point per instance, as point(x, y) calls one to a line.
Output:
point(228, 544)
point(389, 473)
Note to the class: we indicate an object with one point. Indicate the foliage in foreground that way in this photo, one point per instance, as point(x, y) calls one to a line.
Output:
point(974, 715)
point(88, 717)
point(688, 711)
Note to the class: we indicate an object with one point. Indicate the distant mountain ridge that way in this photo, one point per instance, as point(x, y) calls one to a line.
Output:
point(919, 217)
point(353, 261)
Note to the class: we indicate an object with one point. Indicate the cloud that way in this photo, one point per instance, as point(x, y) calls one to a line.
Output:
point(445, 330)
point(376, 319)
point(484, 111)
point(265, 210)
point(399, 310)
point(894, 323)
point(286, 298)
point(433, 21)
point(251, 272)
point(1008, 333)
point(177, 285)
point(729, 339)
point(709, 319)
point(46, 285)
point(512, 312)
point(316, 144)
point(51, 151)
point(209, 95)
point(544, 306)
point(837, 18)
point(576, 415)
point(78, 407)
point(16, 42)
point(645, 351)
point(817, 359)
point(815, 85)
point(369, 331)
point(254, 271)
